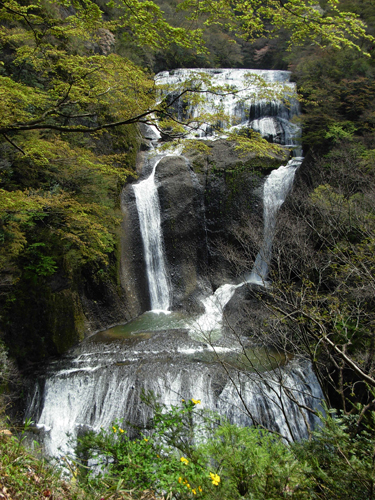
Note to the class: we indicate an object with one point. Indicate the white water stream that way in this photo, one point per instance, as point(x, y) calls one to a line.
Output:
point(148, 207)
point(275, 190)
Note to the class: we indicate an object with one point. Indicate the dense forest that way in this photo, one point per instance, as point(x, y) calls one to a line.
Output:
point(76, 82)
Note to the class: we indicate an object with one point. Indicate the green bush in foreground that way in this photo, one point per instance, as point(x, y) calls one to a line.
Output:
point(341, 458)
point(188, 454)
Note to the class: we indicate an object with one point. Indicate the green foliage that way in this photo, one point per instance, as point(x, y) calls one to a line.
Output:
point(86, 227)
point(323, 25)
point(337, 90)
point(341, 131)
point(38, 263)
point(229, 462)
point(166, 459)
point(196, 146)
point(226, 461)
point(189, 453)
point(25, 477)
point(248, 141)
point(341, 458)
point(255, 464)
point(53, 80)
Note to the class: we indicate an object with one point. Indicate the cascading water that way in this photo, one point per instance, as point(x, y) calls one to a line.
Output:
point(98, 382)
point(147, 201)
point(102, 378)
point(275, 190)
point(246, 98)
point(208, 325)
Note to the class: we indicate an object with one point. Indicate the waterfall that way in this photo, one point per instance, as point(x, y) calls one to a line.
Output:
point(102, 379)
point(147, 202)
point(246, 97)
point(98, 382)
point(239, 99)
point(275, 190)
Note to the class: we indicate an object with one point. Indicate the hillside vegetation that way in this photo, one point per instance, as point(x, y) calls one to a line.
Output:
point(75, 80)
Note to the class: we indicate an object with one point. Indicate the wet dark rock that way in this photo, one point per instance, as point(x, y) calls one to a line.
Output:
point(246, 313)
point(183, 225)
point(132, 264)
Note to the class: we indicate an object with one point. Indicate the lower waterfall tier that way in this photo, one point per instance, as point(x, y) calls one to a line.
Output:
point(98, 382)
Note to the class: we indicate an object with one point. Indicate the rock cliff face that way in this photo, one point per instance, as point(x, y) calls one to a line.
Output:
point(205, 198)
point(184, 228)
point(132, 264)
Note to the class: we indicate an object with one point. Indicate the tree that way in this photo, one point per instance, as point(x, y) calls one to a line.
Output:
point(320, 305)
point(323, 23)
point(52, 79)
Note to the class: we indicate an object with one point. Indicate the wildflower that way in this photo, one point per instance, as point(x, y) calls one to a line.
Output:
point(196, 401)
point(215, 478)
point(114, 429)
point(184, 460)
point(194, 492)
point(180, 479)
point(183, 401)
point(188, 485)
point(145, 439)
point(121, 430)
point(200, 489)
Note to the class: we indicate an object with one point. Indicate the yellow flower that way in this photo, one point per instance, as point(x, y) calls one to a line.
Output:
point(179, 479)
point(194, 492)
point(215, 478)
point(114, 429)
point(196, 401)
point(200, 489)
point(188, 485)
point(183, 400)
point(184, 460)
point(121, 430)
point(145, 439)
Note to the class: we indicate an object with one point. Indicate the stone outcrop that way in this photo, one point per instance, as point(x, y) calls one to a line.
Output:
point(183, 225)
point(132, 265)
point(204, 197)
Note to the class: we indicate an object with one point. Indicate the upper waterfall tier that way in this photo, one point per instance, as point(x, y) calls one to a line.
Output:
point(264, 100)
